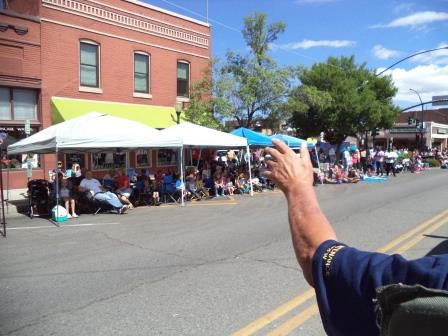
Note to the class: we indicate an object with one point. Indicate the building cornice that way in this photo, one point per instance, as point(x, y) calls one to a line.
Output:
point(123, 38)
point(119, 17)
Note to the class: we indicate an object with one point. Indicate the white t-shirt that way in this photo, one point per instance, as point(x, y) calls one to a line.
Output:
point(93, 185)
point(348, 157)
point(391, 157)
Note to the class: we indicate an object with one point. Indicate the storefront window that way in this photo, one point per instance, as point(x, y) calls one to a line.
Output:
point(71, 159)
point(143, 158)
point(108, 160)
point(18, 104)
point(9, 136)
point(166, 157)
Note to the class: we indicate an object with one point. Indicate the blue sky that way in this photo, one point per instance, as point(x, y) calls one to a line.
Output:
point(377, 32)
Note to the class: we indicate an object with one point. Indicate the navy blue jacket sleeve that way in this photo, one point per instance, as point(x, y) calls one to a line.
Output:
point(345, 280)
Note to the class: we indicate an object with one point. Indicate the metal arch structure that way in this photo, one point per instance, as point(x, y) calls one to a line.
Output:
point(3, 203)
point(425, 103)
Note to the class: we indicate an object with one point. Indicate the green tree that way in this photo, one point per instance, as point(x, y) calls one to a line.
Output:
point(341, 99)
point(249, 86)
point(201, 107)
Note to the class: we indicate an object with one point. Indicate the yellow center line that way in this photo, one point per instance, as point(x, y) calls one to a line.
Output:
point(295, 322)
point(302, 317)
point(418, 238)
point(412, 232)
point(275, 314)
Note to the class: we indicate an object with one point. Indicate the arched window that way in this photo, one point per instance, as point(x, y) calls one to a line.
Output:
point(183, 79)
point(89, 64)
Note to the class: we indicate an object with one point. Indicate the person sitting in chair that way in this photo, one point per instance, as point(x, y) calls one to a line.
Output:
point(181, 187)
point(193, 188)
point(123, 190)
point(92, 185)
point(219, 184)
point(242, 185)
point(65, 192)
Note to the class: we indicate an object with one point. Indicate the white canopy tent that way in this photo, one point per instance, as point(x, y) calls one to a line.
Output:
point(193, 135)
point(199, 136)
point(94, 132)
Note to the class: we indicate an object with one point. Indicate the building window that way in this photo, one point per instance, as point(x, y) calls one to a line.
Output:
point(141, 73)
point(183, 79)
point(109, 160)
point(142, 158)
point(89, 64)
point(18, 104)
point(166, 157)
point(75, 158)
point(9, 136)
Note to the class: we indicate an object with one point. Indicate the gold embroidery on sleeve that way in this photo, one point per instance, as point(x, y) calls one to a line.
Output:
point(328, 257)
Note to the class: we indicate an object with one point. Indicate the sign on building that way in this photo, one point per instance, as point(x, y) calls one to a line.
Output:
point(440, 100)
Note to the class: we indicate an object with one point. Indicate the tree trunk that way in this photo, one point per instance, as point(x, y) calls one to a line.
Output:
point(339, 143)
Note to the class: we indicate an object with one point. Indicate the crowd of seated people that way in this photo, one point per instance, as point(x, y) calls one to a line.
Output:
point(227, 177)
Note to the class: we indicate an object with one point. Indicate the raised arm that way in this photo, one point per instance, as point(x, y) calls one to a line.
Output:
point(293, 174)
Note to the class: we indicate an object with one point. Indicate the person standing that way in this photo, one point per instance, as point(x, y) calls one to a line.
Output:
point(345, 279)
point(379, 159)
point(363, 158)
point(347, 159)
point(391, 158)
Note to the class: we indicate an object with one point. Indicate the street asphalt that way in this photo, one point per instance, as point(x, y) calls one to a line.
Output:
point(209, 268)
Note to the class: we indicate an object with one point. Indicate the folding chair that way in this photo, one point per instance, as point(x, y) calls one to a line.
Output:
point(169, 189)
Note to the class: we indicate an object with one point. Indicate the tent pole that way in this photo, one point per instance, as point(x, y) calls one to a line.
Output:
point(57, 186)
point(317, 159)
point(199, 158)
point(182, 176)
point(250, 171)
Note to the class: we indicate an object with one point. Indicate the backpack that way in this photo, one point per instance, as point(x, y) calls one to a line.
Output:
point(411, 310)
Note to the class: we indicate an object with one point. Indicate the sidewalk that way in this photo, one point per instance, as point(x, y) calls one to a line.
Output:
point(16, 202)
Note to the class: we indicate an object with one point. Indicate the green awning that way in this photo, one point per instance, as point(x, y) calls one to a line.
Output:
point(63, 109)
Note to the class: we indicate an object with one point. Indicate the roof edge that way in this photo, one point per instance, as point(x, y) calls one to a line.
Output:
point(165, 11)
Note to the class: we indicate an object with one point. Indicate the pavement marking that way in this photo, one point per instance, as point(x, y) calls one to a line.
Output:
point(412, 232)
point(411, 243)
point(275, 314)
point(290, 325)
point(61, 225)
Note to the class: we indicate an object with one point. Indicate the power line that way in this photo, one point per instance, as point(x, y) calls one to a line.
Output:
point(237, 30)
point(202, 16)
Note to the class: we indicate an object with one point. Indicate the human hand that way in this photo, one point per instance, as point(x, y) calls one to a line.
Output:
point(291, 173)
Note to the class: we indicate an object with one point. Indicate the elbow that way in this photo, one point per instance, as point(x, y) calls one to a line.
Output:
point(306, 263)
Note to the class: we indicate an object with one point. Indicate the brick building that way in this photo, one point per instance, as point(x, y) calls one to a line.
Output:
point(62, 58)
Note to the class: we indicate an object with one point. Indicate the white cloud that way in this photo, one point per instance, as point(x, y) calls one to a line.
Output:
point(306, 44)
point(415, 20)
point(313, 2)
point(439, 57)
point(403, 7)
point(428, 80)
point(383, 53)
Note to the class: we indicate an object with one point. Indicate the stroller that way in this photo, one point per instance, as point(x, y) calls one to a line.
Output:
point(39, 198)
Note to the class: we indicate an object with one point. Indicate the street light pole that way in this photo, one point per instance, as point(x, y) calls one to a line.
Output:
point(421, 125)
point(410, 56)
point(178, 107)
point(398, 62)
